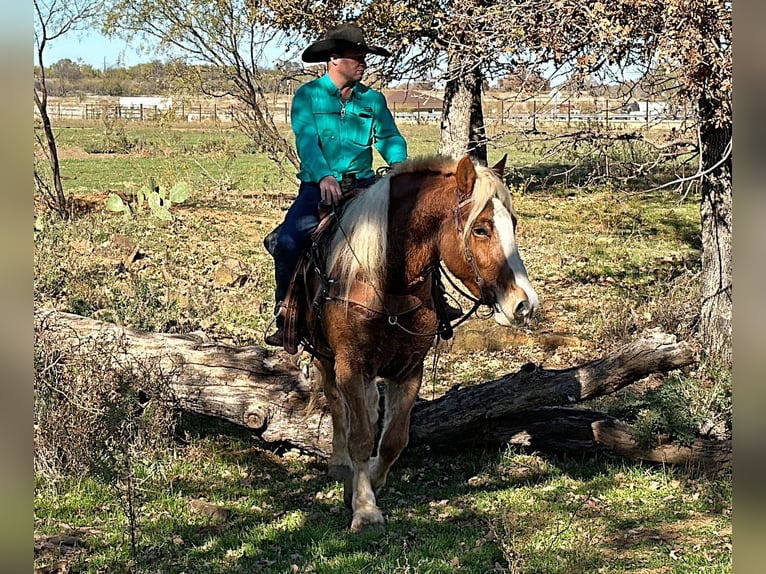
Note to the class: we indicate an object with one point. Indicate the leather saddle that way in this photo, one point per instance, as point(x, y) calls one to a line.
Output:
point(296, 302)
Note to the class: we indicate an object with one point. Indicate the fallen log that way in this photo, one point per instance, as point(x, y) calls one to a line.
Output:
point(269, 393)
point(580, 431)
point(616, 436)
point(247, 386)
point(533, 386)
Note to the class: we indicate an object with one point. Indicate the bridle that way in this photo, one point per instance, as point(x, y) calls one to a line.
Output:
point(487, 296)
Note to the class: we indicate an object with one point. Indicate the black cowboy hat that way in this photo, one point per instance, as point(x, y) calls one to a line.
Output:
point(337, 39)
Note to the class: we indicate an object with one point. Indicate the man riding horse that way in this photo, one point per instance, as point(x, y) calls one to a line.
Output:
point(336, 121)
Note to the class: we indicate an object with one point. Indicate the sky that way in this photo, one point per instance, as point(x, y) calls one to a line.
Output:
point(94, 49)
point(101, 52)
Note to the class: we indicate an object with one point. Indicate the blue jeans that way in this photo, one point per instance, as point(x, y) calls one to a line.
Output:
point(300, 222)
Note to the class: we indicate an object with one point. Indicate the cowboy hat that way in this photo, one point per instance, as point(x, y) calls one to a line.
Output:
point(337, 39)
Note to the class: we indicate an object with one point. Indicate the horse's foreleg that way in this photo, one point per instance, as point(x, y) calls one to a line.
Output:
point(400, 397)
point(360, 439)
point(339, 465)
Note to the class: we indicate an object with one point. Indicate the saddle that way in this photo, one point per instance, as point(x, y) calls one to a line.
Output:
point(294, 306)
point(365, 298)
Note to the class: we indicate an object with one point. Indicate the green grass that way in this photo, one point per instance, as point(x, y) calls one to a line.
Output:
point(212, 159)
point(607, 262)
point(480, 513)
point(110, 173)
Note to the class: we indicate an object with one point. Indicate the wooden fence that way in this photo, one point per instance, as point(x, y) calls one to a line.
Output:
point(530, 114)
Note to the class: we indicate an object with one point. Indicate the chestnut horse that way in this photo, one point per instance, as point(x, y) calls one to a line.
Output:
point(377, 320)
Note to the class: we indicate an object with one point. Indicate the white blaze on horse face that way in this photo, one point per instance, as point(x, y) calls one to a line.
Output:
point(510, 303)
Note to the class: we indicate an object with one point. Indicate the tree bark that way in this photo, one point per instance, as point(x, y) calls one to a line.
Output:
point(462, 128)
point(616, 436)
point(716, 217)
point(268, 393)
point(466, 410)
point(580, 431)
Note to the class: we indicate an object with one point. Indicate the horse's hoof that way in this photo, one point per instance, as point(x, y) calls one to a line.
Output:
point(369, 519)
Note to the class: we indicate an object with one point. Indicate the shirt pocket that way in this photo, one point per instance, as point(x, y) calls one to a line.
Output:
point(359, 127)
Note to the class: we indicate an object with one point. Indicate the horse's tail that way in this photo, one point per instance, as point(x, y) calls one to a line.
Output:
point(360, 244)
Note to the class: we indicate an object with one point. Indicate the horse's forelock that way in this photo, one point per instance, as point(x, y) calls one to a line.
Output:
point(487, 187)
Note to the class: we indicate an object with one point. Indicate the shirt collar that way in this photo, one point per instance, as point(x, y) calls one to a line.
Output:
point(330, 86)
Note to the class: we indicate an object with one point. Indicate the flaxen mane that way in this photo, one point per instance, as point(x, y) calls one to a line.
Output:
point(359, 247)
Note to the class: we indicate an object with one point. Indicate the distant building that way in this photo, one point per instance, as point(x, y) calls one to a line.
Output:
point(414, 105)
point(135, 102)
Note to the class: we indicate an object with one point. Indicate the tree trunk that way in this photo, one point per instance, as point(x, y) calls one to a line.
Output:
point(266, 392)
point(467, 410)
point(462, 129)
point(55, 198)
point(616, 436)
point(716, 216)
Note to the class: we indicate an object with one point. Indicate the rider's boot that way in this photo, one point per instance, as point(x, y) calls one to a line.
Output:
point(453, 313)
point(277, 338)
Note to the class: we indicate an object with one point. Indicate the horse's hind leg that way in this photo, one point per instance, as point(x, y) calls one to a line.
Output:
point(400, 396)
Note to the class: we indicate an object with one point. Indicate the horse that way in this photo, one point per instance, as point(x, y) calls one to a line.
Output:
point(373, 313)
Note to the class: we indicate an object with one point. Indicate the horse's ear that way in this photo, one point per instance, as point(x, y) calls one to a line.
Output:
point(499, 167)
point(466, 177)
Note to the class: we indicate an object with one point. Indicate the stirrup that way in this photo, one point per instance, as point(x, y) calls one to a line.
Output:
point(276, 339)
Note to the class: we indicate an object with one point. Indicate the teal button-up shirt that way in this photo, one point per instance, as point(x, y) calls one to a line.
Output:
point(333, 138)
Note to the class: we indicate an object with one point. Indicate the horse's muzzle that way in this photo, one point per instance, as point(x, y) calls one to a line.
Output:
point(516, 313)
point(523, 312)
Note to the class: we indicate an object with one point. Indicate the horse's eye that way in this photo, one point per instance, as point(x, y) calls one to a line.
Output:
point(480, 231)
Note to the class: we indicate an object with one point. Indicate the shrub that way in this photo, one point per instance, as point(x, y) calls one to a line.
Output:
point(97, 410)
